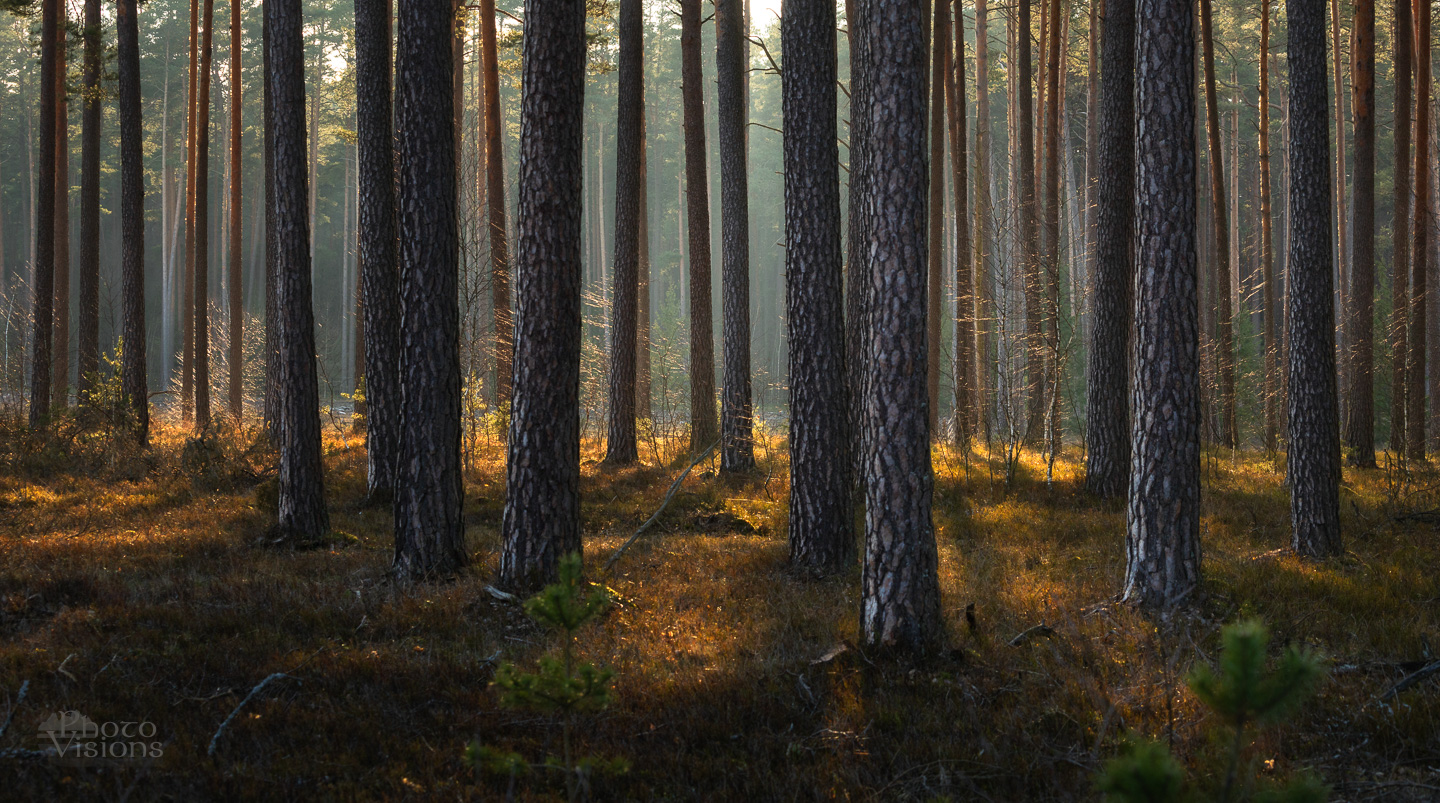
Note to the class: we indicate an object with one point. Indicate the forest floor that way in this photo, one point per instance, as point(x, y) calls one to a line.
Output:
point(134, 587)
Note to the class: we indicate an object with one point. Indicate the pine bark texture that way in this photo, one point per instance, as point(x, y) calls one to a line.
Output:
point(984, 227)
point(966, 299)
point(737, 440)
point(1224, 315)
point(379, 271)
point(429, 493)
point(620, 446)
point(1162, 542)
point(495, 205)
point(1400, 243)
point(237, 295)
point(303, 515)
point(935, 286)
point(187, 291)
point(1419, 246)
point(1360, 406)
point(1314, 456)
point(644, 400)
point(132, 219)
point(1054, 110)
point(900, 595)
point(703, 427)
point(201, 300)
point(822, 536)
point(88, 323)
point(1270, 291)
point(271, 411)
point(541, 522)
point(1029, 244)
point(857, 248)
point(60, 371)
point(43, 317)
point(1107, 459)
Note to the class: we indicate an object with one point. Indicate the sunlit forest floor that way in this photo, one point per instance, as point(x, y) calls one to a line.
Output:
point(137, 586)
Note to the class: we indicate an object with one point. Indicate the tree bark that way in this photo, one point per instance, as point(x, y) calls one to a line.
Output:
point(201, 301)
point(88, 329)
point(857, 253)
point(644, 403)
point(1267, 247)
point(303, 514)
point(620, 446)
point(966, 299)
point(541, 522)
point(1107, 459)
point(379, 273)
point(187, 292)
point(273, 418)
point(822, 536)
point(934, 308)
point(703, 426)
point(1420, 245)
point(1224, 316)
point(1163, 523)
point(60, 372)
point(43, 318)
point(495, 206)
point(1029, 244)
point(132, 220)
point(237, 294)
point(984, 215)
point(1314, 459)
point(1054, 110)
point(1404, 40)
point(900, 595)
point(737, 446)
point(1360, 409)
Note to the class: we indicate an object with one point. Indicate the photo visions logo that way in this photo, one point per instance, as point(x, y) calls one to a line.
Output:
point(77, 740)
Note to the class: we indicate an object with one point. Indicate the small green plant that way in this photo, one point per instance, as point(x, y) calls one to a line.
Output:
point(560, 686)
point(1244, 695)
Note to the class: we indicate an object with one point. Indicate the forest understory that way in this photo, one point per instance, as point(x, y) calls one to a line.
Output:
point(139, 586)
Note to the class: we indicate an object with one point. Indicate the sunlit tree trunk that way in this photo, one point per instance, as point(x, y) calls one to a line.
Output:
point(273, 418)
point(984, 227)
point(60, 371)
point(1050, 260)
point(703, 426)
point(187, 291)
point(495, 205)
point(1224, 316)
point(237, 295)
point(88, 329)
point(201, 300)
point(620, 445)
point(737, 446)
point(644, 403)
point(1029, 256)
point(934, 308)
point(1360, 418)
point(1403, 38)
point(1270, 290)
point(44, 246)
point(1420, 245)
point(966, 299)
point(132, 219)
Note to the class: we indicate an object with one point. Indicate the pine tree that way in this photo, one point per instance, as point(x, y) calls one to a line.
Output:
point(43, 317)
point(737, 440)
point(88, 323)
point(620, 446)
point(132, 219)
point(703, 427)
point(1360, 307)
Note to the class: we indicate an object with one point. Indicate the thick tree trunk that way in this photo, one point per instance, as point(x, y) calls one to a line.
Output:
point(703, 426)
point(1420, 245)
point(303, 514)
point(60, 371)
point(822, 536)
point(737, 444)
point(1404, 40)
point(541, 521)
point(857, 248)
point(429, 492)
point(1360, 408)
point(1224, 316)
point(132, 220)
point(379, 274)
point(620, 446)
point(1162, 541)
point(201, 300)
point(935, 286)
point(1107, 460)
point(237, 294)
point(495, 206)
point(966, 299)
point(1267, 247)
point(88, 330)
point(44, 240)
point(1314, 458)
point(900, 595)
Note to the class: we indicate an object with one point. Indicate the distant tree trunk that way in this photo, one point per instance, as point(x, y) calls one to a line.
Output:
point(1028, 232)
point(1314, 459)
point(1054, 111)
point(1342, 218)
point(272, 414)
point(1360, 421)
point(88, 331)
point(703, 427)
point(429, 493)
point(822, 536)
point(966, 299)
point(379, 281)
point(644, 404)
point(495, 205)
point(737, 445)
point(1224, 323)
point(187, 292)
point(1404, 40)
point(934, 309)
point(303, 515)
point(900, 595)
point(237, 294)
point(1162, 541)
point(857, 253)
point(1267, 246)
point(43, 317)
point(620, 446)
point(1107, 459)
point(201, 300)
point(132, 219)
point(60, 378)
point(1420, 246)
point(1092, 155)
point(984, 229)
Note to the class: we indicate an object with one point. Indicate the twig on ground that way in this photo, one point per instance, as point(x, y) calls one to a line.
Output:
point(215, 740)
point(674, 486)
point(1411, 680)
point(19, 699)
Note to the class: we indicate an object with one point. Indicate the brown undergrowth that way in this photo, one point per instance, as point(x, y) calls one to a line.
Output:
point(132, 586)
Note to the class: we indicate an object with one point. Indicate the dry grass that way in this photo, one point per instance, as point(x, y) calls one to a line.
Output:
point(131, 587)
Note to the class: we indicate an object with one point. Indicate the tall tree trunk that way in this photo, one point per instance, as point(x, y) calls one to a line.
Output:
point(984, 230)
point(1092, 158)
point(934, 308)
point(857, 248)
point(377, 240)
point(1224, 317)
point(737, 446)
point(60, 378)
point(1403, 37)
point(1029, 260)
point(900, 595)
point(1360, 421)
point(703, 427)
point(620, 446)
point(1054, 110)
point(303, 514)
point(237, 294)
point(429, 492)
point(966, 299)
point(201, 300)
point(1162, 541)
point(644, 403)
point(187, 292)
point(1267, 247)
point(44, 240)
point(1342, 220)
point(1420, 245)
point(822, 536)
point(88, 331)
point(541, 522)
point(272, 412)
point(495, 205)
point(1314, 460)
point(1107, 459)
point(132, 220)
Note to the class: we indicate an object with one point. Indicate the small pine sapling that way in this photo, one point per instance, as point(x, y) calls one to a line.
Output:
point(560, 686)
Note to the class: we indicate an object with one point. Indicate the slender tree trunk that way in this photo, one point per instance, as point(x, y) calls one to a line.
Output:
point(1342, 219)
point(60, 378)
point(1360, 421)
point(1163, 523)
point(1029, 256)
point(132, 220)
point(1092, 158)
point(857, 253)
point(273, 419)
point(303, 514)
point(44, 240)
point(966, 299)
point(495, 205)
point(1107, 460)
point(737, 447)
point(620, 446)
point(1314, 460)
point(1054, 111)
point(187, 292)
point(201, 300)
point(644, 406)
point(984, 230)
point(1267, 247)
point(1403, 38)
point(934, 308)
point(541, 522)
point(1224, 322)
point(900, 595)
point(88, 331)
point(237, 294)
point(1420, 245)
point(703, 427)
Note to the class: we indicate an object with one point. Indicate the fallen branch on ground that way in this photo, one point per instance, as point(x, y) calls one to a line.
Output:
point(674, 486)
